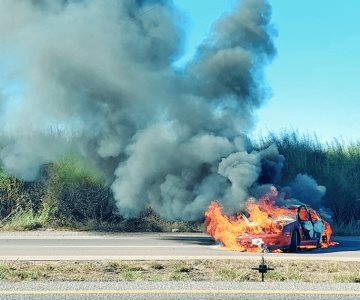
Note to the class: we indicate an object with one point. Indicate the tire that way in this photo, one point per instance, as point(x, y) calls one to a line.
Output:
point(295, 241)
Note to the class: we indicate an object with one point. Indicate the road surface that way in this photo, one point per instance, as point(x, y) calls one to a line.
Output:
point(177, 290)
point(48, 245)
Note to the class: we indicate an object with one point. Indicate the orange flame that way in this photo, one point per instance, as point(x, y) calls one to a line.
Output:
point(328, 232)
point(263, 218)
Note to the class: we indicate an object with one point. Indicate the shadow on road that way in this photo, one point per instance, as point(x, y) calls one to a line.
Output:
point(346, 244)
point(194, 240)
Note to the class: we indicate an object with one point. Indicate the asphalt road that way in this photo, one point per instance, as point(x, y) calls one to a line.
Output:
point(177, 290)
point(50, 245)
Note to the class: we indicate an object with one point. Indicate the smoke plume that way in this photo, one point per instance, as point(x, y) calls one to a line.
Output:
point(101, 75)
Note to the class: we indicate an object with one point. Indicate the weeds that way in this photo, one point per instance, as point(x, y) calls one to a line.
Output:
point(29, 220)
point(194, 270)
point(182, 267)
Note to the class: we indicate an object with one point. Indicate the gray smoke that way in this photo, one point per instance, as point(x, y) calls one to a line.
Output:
point(302, 190)
point(102, 74)
point(306, 189)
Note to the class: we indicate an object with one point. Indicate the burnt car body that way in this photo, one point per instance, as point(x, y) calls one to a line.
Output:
point(304, 230)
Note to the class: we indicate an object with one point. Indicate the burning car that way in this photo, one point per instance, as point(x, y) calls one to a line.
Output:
point(266, 224)
point(304, 230)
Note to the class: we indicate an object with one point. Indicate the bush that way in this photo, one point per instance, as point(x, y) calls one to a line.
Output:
point(77, 191)
point(17, 196)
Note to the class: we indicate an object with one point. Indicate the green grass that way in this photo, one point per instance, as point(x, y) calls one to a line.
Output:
point(72, 170)
point(193, 270)
point(180, 271)
point(28, 220)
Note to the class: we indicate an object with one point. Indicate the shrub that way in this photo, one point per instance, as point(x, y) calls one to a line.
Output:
point(77, 191)
point(17, 196)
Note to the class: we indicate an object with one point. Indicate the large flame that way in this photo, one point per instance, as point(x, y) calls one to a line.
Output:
point(264, 217)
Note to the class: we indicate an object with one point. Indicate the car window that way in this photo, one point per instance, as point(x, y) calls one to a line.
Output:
point(303, 215)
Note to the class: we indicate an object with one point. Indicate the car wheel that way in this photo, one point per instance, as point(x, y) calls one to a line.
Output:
point(295, 241)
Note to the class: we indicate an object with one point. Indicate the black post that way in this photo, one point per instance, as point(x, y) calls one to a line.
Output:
point(263, 268)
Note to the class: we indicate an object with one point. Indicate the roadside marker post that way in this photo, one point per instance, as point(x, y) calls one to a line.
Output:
point(263, 268)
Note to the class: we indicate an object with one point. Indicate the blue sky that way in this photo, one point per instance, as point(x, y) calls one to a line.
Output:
point(315, 78)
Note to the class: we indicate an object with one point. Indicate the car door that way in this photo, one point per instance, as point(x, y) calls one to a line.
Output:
point(318, 224)
point(306, 223)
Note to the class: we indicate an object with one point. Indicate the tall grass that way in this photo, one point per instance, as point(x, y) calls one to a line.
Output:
point(77, 190)
point(73, 192)
point(347, 228)
point(28, 220)
point(335, 166)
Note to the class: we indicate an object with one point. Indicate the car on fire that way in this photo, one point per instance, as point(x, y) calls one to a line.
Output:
point(305, 230)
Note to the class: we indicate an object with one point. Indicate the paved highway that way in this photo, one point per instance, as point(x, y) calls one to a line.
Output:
point(177, 290)
point(49, 245)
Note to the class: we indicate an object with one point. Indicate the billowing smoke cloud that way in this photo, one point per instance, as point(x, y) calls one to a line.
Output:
point(305, 189)
point(302, 190)
point(102, 73)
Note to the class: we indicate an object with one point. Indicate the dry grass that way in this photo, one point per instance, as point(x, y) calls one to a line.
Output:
point(194, 270)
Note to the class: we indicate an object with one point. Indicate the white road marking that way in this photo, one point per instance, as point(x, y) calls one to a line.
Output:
point(125, 246)
point(141, 257)
point(180, 292)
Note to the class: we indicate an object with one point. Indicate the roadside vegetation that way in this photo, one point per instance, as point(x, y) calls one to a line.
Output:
point(194, 270)
point(335, 166)
point(73, 194)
